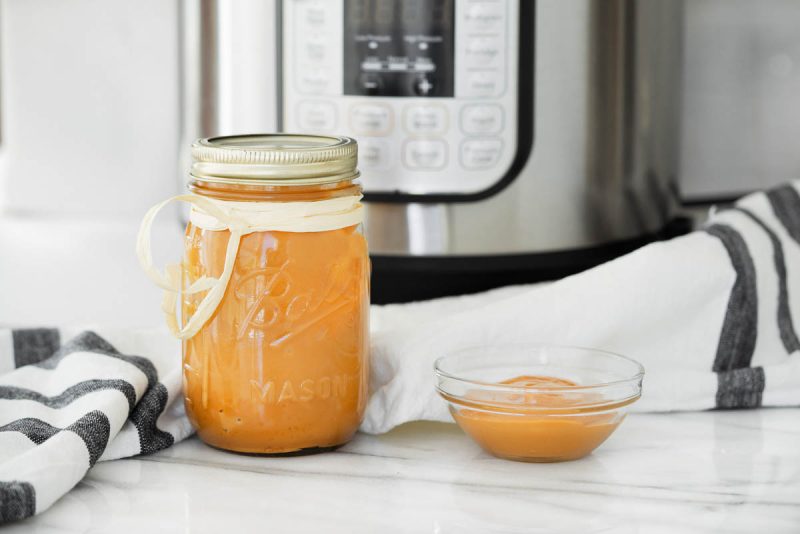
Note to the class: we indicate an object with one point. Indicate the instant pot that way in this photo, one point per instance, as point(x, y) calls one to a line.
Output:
point(500, 141)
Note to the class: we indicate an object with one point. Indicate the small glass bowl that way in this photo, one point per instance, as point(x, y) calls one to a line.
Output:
point(556, 421)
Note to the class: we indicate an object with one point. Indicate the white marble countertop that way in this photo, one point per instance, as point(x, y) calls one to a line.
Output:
point(693, 472)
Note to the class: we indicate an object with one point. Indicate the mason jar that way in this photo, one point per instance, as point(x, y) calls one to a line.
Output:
point(274, 294)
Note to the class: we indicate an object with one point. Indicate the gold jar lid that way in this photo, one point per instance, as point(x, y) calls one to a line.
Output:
point(275, 159)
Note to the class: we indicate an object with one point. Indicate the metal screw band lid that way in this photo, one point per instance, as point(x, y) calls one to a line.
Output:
point(275, 159)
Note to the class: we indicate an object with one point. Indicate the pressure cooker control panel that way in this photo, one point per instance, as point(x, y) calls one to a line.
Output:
point(427, 87)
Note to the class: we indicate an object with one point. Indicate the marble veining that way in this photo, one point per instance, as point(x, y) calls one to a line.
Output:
point(726, 471)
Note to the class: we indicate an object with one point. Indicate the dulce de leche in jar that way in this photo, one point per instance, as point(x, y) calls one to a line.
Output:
point(274, 294)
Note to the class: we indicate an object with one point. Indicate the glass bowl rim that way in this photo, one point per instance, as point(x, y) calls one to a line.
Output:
point(441, 374)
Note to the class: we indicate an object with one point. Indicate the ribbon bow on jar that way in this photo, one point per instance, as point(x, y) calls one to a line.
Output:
point(239, 219)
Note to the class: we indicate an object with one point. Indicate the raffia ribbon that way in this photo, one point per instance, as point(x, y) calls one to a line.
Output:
point(240, 219)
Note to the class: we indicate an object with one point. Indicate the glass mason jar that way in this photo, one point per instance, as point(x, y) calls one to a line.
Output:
point(281, 363)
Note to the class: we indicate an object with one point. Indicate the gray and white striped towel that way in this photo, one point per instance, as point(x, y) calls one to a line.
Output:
point(64, 407)
point(712, 316)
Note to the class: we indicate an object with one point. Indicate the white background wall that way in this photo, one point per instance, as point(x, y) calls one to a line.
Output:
point(89, 93)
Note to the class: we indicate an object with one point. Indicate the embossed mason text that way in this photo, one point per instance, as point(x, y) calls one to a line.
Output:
point(282, 391)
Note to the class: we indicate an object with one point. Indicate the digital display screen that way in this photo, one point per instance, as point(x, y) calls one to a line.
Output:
point(399, 47)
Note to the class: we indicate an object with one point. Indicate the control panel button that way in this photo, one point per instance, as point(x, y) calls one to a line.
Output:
point(314, 115)
point(480, 153)
point(371, 119)
point(482, 84)
point(425, 154)
point(371, 83)
point(425, 119)
point(374, 154)
point(485, 119)
point(371, 64)
point(312, 79)
point(314, 15)
point(315, 50)
point(423, 64)
point(423, 86)
point(483, 51)
point(399, 64)
point(485, 16)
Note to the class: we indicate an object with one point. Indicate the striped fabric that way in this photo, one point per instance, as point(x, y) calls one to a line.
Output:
point(65, 406)
point(762, 237)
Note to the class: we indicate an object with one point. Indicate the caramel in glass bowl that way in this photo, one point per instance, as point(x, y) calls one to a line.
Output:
point(538, 403)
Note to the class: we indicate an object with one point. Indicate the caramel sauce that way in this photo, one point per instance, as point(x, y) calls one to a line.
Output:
point(538, 426)
point(282, 365)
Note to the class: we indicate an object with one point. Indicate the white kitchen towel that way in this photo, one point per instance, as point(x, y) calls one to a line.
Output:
point(713, 317)
point(101, 395)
